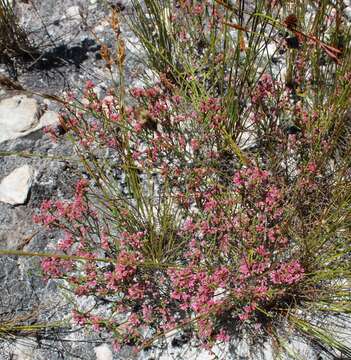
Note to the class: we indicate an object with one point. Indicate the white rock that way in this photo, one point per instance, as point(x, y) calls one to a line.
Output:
point(49, 118)
point(73, 13)
point(14, 187)
point(247, 138)
point(103, 26)
point(272, 49)
point(100, 28)
point(103, 352)
point(20, 115)
point(23, 352)
point(347, 12)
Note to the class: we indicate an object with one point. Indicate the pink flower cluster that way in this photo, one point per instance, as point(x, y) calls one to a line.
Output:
point(55, 268)
point(287, 273)
point(225, 259)
point(54, 212)
point(265, 89)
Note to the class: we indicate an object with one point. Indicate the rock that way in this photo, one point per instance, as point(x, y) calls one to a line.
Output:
point(14, 188)
point(103, 352)
point(49, 118)
point(100, 28)
point(23, 352)
point(20, 115)
point(347, 12)
point(73, 13)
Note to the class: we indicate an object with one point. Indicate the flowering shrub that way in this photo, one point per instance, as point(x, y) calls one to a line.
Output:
point(178, 225)
point(225, 255)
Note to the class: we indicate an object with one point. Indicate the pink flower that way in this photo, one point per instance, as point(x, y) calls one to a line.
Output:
point(194, 144)
point(244, 268)
point(261, 290)
point(287, 273)
point(89, 85)
point(136, 292)
point(138, 127)
point(153, 92)
point(176, 99)
point(66, 243)
point(312, 167)
point(273, 196)
point(220, 276)
point(237, 179)
point(81, 187)
point(116, 345)
point(222, 336)
point(81, 290)
point(224, 243)
point(137, 92)
point(205, 328)
point(79, 318)
point(248, 310)
point(189, 226)
point(261, 250)
point(210, 205)
point(115, 117)
point(198, 9)
point(96, 322)
point(104, 242)
point(56, 267)
point(147, 313)
point(134, 320)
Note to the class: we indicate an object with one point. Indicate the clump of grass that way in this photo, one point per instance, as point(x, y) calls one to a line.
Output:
point(18, 327)
point(14, 41)
point(25, 323)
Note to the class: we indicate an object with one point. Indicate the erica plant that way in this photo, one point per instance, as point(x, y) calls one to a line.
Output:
point(214, 213)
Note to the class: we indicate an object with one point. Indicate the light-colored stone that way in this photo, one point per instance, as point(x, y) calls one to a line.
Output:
point(347, 12)
point(49, 118)
point(20, 115)
point(14, 188)
point(23, 351)
point(100, 28)
point(73, 13)
point(103, 352)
